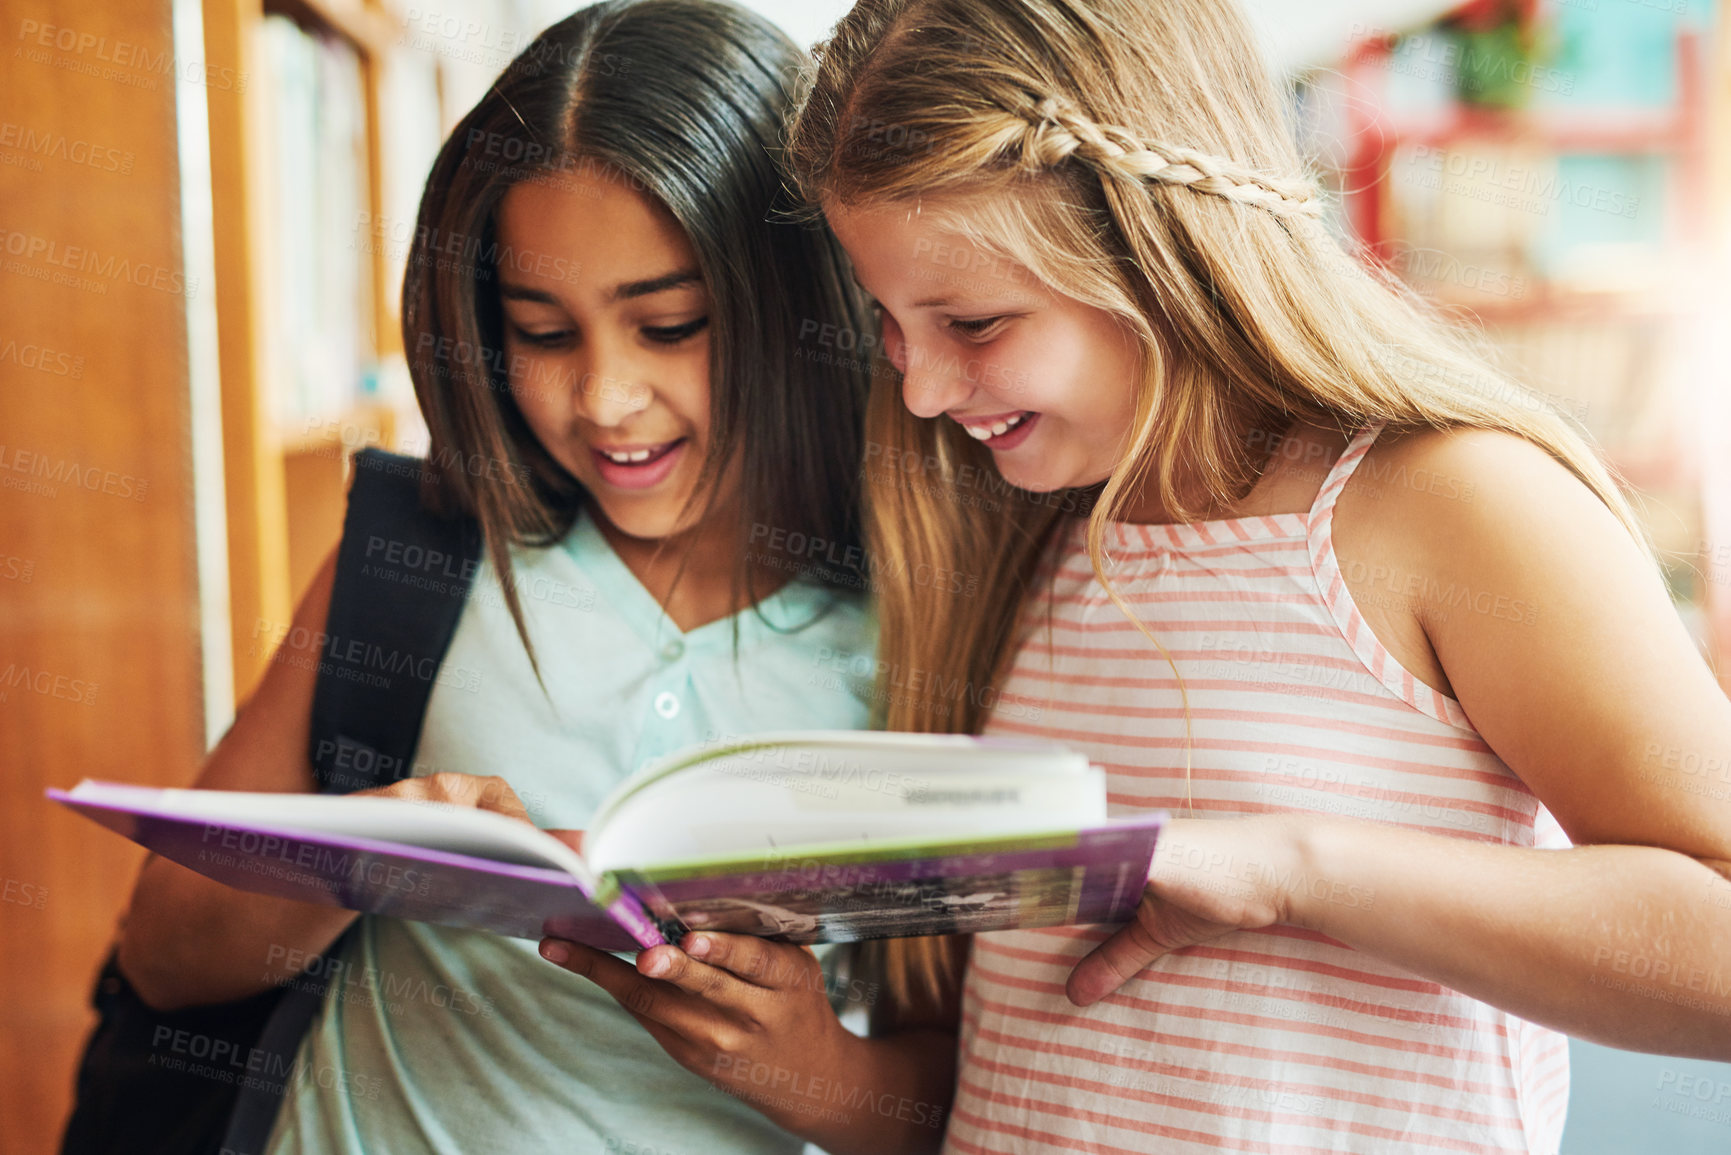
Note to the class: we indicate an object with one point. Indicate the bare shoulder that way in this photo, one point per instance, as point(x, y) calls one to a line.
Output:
point(1469, 489)
point(1553, 628)
point(1436, 490)
point(1444, 462)
point(1435, 520)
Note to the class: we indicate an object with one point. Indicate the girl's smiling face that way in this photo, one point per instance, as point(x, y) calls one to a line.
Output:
point(605, 319)
point(1047, 382)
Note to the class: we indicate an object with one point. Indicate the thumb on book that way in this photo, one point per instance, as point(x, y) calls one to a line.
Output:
point(571, 838)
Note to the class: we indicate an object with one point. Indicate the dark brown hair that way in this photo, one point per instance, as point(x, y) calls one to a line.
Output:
point(684, 101)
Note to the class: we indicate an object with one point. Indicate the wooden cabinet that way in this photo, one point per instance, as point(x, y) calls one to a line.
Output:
point(156, 492)
point(311, 352)
point(100, 657)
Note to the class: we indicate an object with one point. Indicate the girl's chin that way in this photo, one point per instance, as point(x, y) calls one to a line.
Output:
point(645, 520)
point(1044, 481)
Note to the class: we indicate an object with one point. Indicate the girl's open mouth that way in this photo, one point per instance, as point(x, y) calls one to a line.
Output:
point(1004, 432)
point(638, 466)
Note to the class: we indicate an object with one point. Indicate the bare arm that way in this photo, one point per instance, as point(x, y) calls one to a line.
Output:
point(1601, 704)
point(187, 940)
point(1623, 945)
point(1598, 699)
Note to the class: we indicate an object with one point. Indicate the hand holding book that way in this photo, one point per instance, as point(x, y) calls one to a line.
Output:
point(807, 837)
point(728, 1008)
point(753, 1018)
point(482, 792)
point(460, 790)
point(1208, 878)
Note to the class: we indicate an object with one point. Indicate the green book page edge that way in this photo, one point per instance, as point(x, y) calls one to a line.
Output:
point(843, 853)
point(830, 854)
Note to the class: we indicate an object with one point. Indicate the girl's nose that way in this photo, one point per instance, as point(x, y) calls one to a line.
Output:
point(929, 387)
point(608, 398)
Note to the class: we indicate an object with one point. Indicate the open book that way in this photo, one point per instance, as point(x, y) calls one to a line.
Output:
point(813, 836)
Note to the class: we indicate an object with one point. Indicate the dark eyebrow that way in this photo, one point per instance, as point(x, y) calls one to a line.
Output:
point(524, 293)
point(634, 289)
point(628, 291)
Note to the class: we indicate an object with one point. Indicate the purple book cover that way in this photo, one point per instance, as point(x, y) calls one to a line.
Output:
point(836, 893)
point(387, 878)
point(843, 894)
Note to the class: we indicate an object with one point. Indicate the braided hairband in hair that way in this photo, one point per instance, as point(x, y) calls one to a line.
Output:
point(1057, 131)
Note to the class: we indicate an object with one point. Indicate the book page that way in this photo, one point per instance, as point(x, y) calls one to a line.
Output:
point(766, 799)
point(428, 825)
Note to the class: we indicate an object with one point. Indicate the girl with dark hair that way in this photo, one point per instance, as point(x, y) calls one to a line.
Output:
point(605, 315)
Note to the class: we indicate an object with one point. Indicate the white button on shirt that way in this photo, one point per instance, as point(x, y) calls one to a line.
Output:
point(555, 1064)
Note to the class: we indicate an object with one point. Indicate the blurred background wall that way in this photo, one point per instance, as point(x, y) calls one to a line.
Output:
point(205, 206)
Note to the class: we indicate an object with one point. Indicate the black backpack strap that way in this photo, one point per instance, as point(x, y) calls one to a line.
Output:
point(403, 576)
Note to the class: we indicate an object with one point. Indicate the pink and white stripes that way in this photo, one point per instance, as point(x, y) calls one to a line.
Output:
point(1273, 1040)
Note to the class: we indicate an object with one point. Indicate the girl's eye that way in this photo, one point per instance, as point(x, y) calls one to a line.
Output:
point(673, 334)
point(546, 339)
point(977, 327)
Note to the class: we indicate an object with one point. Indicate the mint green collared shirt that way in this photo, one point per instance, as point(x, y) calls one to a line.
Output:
point(456, 1042)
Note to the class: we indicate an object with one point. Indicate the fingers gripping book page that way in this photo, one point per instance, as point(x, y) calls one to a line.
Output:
point(804, 836)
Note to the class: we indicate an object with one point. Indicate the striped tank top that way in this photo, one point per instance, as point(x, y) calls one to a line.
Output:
point(1273, 1040)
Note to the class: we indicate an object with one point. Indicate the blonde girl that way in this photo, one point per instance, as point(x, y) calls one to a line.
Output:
point(1375, 627)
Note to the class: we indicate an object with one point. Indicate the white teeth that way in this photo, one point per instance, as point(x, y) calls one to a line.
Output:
point(627, 458)
point(996, 429)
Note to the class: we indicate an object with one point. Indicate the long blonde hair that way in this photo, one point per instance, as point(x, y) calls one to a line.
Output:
point(1131, 155)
